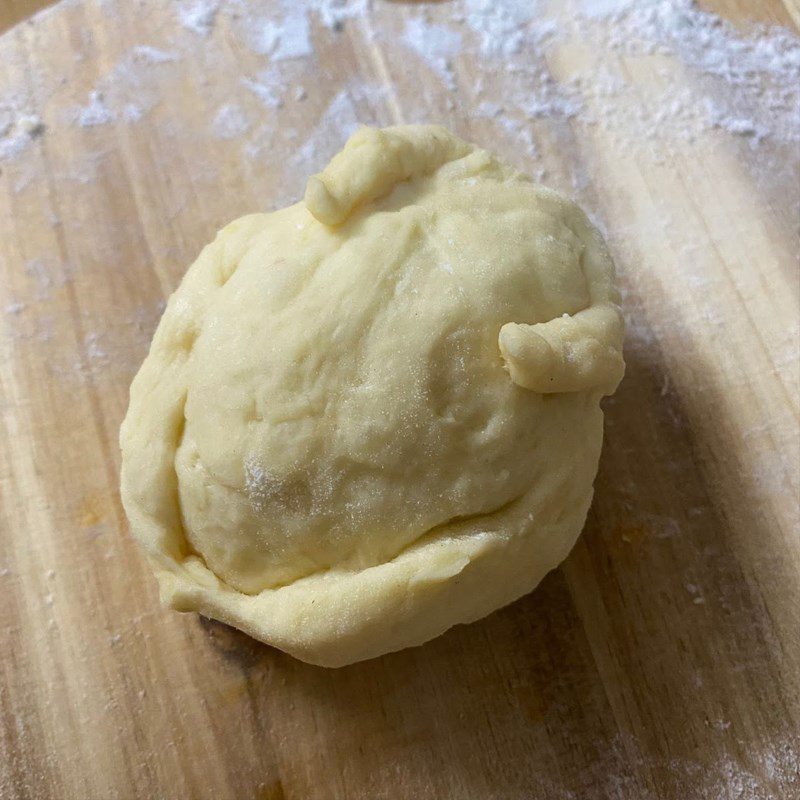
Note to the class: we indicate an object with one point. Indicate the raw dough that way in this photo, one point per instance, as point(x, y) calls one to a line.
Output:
point(375, 414)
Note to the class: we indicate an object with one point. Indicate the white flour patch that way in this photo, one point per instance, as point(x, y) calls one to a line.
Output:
point(130, 90)
point(152, 55)
point(434, 43)
point(601, 9)
point(745, 84)
point(95, 112)
point(230, 122)
point(93, 349)
point(18, 129)
point(751, 86)
point(429, 39)
point(500, 27)
point(333, 14)
point(266, 92)
point(43, 281)
point(132, 113)
point(198, 16)
point(285, 38)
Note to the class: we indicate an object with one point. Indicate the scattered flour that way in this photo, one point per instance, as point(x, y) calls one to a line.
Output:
point(284, 38)
point(132, 112)
point(333, 14)
point(43, 282)
point(742, 83)
point(266, 91)
point(17, 130)
point(759, 774)
point(152, 55)
point(198, 16)
point(501, 27)
point(96, 112)
point(751, 86)
point(131, 89)
point(435, 43)
point(93, 348)
point(230, 122)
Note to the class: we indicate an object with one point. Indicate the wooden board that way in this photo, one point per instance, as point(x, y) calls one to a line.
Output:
point(662, 660)
point(14, 11)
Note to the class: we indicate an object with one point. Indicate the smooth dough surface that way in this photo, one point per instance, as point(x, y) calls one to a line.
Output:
point(375, 414)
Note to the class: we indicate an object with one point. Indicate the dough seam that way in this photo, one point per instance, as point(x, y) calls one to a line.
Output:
point(189, 551)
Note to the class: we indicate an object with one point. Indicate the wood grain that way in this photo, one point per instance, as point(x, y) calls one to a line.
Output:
point(773, 12)
point(662, 660)
point(14, 11)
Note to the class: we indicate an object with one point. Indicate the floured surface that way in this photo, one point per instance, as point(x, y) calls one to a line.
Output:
point(661, 660)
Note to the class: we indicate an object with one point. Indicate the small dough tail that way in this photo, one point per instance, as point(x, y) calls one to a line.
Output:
point(373, 161)
point(567, 354)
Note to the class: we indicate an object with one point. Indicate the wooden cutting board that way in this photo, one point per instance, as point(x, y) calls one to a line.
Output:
point(662, 660)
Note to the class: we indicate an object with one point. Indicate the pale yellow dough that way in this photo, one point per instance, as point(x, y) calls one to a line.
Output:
point(375, 414)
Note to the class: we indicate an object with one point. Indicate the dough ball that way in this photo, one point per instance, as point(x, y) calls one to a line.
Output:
point(375, 414)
